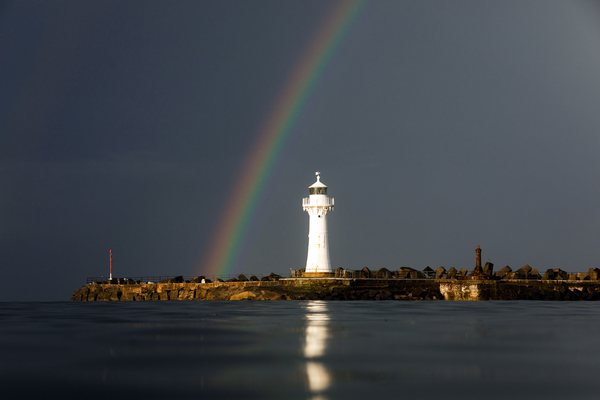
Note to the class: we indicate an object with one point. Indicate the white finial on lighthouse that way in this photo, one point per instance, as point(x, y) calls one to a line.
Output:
point(318, 204)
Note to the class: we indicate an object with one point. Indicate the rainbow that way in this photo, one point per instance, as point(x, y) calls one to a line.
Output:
point(271, 140)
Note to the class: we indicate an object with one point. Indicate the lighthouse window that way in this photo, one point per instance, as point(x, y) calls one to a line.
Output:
point(318, 190)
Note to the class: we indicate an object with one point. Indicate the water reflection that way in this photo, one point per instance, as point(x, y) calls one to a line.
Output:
point(315, 345)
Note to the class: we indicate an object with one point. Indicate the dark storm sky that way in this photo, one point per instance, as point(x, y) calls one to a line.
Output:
point(438, 126)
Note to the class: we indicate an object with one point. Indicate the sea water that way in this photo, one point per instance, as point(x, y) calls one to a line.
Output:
point(300, 350)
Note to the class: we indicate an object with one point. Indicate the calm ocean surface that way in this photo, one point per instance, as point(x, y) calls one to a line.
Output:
point(300, 350)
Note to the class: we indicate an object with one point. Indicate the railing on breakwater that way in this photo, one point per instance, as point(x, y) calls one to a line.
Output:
point(298, 273)
point(182, 279)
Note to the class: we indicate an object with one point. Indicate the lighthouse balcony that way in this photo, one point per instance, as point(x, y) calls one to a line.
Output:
point(317, 201)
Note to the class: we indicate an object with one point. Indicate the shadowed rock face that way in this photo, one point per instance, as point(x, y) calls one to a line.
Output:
point(404, 284)
point(262, 290)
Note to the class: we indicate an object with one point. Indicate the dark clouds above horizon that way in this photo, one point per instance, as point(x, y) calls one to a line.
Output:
point(438, 126)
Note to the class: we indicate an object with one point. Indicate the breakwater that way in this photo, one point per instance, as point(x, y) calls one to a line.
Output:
point(345, 289)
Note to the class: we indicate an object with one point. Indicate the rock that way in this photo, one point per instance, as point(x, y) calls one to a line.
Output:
point(452, 272)
point(534, 274)
point(274, 277)
point(243, 296)
point(253, 278)
point(312, 296)
point(383, 273)
point(560, 273)
point(464, 272)
point(439, 272)
point(488, 269)
point(198, 279)
point(418, 293)
point(128, 297)
point(372, 293)
point(339, 273)
point(428, 272)
point(366, 272)
point(232, 280)
point(503, 271)
point(242, 278)
point(404, 273)
point(549, 275)
point(523, 272)
point(173, 294)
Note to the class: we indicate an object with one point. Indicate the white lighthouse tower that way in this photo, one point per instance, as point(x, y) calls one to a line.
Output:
point(318, 204)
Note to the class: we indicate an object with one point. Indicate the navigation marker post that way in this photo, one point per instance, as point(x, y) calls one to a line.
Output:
point(110, 274)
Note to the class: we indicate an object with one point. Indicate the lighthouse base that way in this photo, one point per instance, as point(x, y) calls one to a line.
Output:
point(317, 274)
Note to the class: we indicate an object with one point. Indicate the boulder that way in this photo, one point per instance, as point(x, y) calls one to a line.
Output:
point(404, 272)
point(594, 274)
point(418, 293)
point(198, 279)
point(127, 297)
point(560, 273)
point(503, 271)
point(428, 272)
point(242, 278)
point(524, 272)
point(383, 273)
point(463, 272)
point(534, 274)
point(274, 277)
point(440, 272)
point(243, 296)
point(232, 280)
point(549, 275)
point(452, 272)
point(366, 272)
point(414, 274)
point(253, 278)
point(339, 273)
point(488, 269)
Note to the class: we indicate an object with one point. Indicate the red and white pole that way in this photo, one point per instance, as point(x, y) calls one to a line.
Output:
point(110, 252)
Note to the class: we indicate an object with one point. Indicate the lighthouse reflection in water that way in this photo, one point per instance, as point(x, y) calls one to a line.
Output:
point(315, 346)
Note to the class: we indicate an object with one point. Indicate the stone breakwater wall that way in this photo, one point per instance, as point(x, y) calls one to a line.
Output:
point(521, 290)
point(284, 289)
point(345, 289)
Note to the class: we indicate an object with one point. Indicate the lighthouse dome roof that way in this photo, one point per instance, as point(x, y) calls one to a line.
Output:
point(318, 183)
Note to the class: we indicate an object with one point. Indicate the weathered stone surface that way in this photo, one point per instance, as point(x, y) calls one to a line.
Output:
point(383, 273)
point(242, 278)
point(253, 278)
point(440, 273)
point(503, 271)
point(243, 296)
point(351, 289)
point(452, 272)
point(488, 269)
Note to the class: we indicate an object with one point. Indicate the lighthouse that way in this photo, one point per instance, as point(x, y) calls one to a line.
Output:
point(317, 205)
